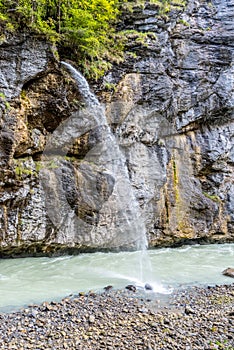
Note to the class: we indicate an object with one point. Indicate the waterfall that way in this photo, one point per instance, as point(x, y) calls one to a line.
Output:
point(83, 86)
point(119, 216)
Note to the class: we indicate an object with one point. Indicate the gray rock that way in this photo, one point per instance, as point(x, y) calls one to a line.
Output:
point(91, 319)
point(189, 311)
point(171, 112)
point(229, 272)
point(148, 286)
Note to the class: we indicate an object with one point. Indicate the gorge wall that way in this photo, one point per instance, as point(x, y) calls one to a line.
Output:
point(170, 105)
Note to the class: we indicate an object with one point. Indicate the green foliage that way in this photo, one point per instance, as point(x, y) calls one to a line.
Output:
point(88, 31)
point(220, 345)
point(109, 86)
point(2, 96)
point(185, 23)
point(3, 100)
point(23, 171)
point(47, 164)
point(84, 30)
point(137, 37)
point(167, 5)
point(164, 6)
point(214, 198)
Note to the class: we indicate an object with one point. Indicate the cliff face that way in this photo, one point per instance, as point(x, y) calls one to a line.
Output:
point(170, 106)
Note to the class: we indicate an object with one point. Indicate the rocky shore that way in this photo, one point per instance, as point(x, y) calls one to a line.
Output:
point(194, 318)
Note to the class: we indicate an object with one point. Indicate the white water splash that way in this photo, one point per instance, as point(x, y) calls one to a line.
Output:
point(37, 279)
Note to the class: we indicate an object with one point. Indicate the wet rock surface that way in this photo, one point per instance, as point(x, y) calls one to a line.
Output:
point(228, 272)
point(170, 105)
point(196, 318)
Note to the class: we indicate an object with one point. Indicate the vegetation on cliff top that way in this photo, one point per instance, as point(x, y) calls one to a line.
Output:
point(85, 29)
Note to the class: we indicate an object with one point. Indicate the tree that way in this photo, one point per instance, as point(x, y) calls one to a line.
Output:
point(85, 27)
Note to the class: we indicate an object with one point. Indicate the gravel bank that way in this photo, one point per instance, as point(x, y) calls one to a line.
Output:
point(196, 318)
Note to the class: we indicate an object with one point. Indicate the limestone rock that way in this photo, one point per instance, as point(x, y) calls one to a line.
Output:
point(171, 112)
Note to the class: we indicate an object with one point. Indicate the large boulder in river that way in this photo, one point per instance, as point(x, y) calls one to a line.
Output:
point(229, 272)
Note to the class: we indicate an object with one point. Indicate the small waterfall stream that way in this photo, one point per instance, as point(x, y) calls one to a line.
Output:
point(120, 222)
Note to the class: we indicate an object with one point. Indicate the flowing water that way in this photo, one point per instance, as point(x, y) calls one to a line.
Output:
point(120, 223)
point(30, 280)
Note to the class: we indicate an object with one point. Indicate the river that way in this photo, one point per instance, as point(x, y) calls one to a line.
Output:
point(33, 280)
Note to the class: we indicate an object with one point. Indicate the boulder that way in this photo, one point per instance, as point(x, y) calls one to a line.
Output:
point(229, 272)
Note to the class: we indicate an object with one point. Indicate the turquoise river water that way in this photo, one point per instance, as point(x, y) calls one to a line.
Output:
point(30, 280)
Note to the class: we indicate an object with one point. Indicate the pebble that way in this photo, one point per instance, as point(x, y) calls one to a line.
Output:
point(131, 287)
point(188, 310)
point(91, 319)
point(148, 286)
point(195, 318)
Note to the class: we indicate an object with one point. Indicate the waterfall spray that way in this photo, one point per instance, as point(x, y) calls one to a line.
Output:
point(119, 216)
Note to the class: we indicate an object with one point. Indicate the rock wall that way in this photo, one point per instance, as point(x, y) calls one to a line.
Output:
point(170, 105)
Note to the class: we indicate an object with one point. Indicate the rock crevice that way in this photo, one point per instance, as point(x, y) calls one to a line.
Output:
point(170, 105)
